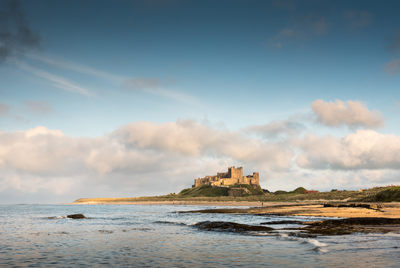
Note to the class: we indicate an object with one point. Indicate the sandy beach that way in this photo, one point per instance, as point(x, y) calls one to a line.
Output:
point(388, 210)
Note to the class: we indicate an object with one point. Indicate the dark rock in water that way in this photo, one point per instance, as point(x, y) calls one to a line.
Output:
point(229, 227)
point(106, 231)
point(353, 225)
point(76, 216)
point(283, 222)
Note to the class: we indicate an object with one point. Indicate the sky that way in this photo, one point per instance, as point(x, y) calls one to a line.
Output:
point(138, 98)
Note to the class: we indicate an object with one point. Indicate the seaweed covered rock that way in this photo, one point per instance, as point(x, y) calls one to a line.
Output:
point(353, 225)
point(76, 216)
point(225, 226)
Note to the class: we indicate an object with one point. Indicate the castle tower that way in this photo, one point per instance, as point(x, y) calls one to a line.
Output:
point(256, 178)
point(236, 173)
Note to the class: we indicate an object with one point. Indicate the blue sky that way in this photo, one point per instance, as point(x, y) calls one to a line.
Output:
point(89, 69)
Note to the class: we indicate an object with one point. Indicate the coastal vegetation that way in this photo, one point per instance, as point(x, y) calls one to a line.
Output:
point(390, 194)
point(250, 193)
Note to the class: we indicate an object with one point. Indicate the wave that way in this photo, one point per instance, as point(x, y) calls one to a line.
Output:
point(56, 217)
point(170, 223)
point(318, 246)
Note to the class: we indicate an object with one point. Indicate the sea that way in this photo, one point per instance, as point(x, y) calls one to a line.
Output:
point(160, 236)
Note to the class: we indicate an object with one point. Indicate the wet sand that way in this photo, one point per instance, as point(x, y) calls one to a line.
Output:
point(386, 210)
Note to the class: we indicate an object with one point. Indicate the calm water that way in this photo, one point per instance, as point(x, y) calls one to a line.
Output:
point(156, 236)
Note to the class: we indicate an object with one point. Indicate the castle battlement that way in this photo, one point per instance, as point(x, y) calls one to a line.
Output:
point(232, 177)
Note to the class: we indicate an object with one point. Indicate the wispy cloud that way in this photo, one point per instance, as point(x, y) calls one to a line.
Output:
point(38, 107)
point(57, 81)
point(284, 128)
point(150, 85)
point(64, 64)
point(393, 67)
point(4, 108)
point(302, 28)
point(395, 43)
point(284, 4)
point(142, 83)
point(157, 87)
point(358, 19)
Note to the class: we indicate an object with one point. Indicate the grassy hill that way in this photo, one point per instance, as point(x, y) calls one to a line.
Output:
point(204, 190)
point(214, 191)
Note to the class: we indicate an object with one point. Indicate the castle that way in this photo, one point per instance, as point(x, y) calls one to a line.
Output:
point(232, 177)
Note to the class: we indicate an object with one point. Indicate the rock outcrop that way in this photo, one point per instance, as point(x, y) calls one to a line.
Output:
point(225, 226)
point(76, 216)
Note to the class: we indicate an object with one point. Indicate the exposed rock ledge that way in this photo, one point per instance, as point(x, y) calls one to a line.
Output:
point(353, 225)
point(312, 229)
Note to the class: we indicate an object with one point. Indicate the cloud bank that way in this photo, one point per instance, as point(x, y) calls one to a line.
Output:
point(156, 158)
point(364, 149)
point(139, 155)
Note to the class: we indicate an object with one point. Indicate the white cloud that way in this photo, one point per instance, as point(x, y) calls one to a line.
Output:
point(327, 179)
point(194, 139)
point(364, 149)
point(349, 113)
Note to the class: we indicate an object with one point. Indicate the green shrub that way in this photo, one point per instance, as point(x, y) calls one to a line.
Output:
point(299, 190)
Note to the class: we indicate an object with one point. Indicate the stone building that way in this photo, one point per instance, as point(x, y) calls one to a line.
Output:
point(232, 177)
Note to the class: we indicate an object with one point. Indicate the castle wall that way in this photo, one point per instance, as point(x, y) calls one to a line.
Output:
point(231, 181)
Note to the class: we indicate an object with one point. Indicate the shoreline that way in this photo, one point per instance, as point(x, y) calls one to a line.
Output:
point(181, 203)
point(386, 210)
point(303, 208)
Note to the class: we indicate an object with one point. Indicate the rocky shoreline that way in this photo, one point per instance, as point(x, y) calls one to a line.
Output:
point(310, 229)
point(375, 218)
point(352, 225)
